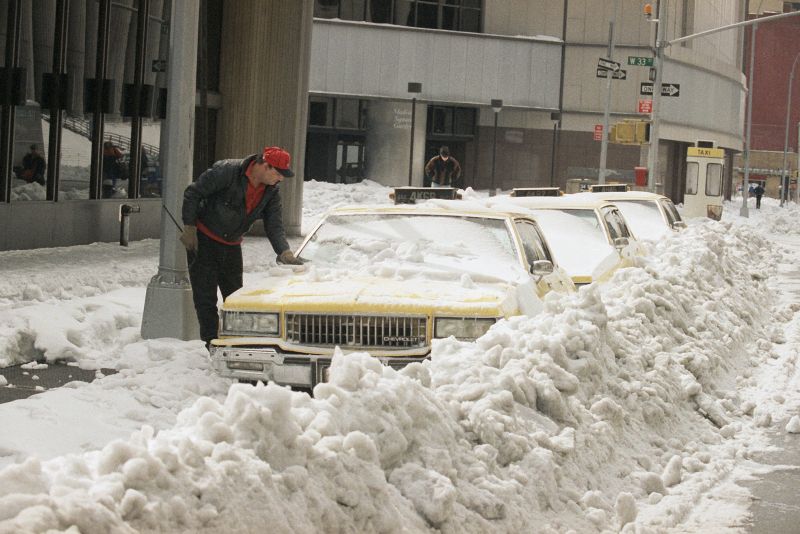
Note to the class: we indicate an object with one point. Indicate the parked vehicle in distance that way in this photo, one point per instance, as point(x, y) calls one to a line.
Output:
point(650, 216)
point(589, 237)
point(387, 280)
point(703, 196)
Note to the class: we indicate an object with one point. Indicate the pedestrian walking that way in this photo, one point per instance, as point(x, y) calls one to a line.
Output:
point(218, 209)
point(758, 191)
point(443, 170)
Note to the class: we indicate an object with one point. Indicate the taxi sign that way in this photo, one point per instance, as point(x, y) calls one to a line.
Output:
point(608, 188)
point(536, 192)
point(705, 152)
point(410, 195)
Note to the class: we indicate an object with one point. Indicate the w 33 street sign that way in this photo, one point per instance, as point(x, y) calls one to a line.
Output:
point(667, 89)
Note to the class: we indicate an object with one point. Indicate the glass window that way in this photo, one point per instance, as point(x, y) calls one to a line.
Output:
point(458, 15)
point(347, 113)
point(616, 223)
point(213, 19)
point(671, 210)
point(464, 121)
point(449, 120)
point(352, 9)
point(379, 11)
point(326, 9)
point(31, 145)
point(442, 120)
point(470, 20)
point(320, 111)
point(405, 13)
point(692, 172)
point(713, 180)
point(532, 242)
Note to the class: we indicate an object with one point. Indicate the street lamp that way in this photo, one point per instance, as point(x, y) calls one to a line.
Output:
point(497, 105)
point(555, 116)
point(414, 88)
point(786, 131)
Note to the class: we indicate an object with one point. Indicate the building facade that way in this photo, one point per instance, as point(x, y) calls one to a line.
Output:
point(776, 116)
point(329, 80)
point(540, 58)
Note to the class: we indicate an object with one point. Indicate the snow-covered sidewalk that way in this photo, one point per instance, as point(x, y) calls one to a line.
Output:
point(634, 405)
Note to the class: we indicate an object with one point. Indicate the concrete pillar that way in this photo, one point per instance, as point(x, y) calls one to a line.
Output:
point(389, 139)
point(264, 67)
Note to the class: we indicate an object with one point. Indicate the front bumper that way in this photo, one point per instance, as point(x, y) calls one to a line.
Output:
point(286, 368)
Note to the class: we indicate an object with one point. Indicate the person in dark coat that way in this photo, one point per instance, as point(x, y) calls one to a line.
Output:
point(443, 170)
point(218, 209)
point(33, 166)
point(112, 168)
point(758, 191)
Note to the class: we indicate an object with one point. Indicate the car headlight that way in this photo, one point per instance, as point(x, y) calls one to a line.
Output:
point(466, 328)
point(249, 323)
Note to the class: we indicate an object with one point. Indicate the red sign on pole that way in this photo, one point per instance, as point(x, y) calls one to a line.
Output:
point(645, 105)
point(598, 132)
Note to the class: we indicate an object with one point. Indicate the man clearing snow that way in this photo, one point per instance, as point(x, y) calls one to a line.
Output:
point(223, 204)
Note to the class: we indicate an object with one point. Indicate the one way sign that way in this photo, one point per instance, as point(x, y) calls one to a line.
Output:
point(667, 89)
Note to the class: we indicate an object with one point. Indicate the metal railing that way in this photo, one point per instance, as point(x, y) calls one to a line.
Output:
point(83, 128)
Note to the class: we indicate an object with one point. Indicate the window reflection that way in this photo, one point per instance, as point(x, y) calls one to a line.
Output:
point(29, 165)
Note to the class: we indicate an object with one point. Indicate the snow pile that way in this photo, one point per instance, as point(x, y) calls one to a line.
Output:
point(607, 409)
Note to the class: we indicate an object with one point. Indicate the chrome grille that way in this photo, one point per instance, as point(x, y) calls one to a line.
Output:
point(361, 331)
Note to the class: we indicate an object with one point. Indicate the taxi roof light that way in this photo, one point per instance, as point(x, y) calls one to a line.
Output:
point(410, 195)
point(536, 192)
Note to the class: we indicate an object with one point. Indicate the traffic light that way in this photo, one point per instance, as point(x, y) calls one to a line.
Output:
point(623, 132)
point(642, 132)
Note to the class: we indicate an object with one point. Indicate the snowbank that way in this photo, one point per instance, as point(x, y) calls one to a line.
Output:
point(619, 405)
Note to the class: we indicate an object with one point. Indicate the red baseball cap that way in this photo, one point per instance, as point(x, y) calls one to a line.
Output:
point(279, 159)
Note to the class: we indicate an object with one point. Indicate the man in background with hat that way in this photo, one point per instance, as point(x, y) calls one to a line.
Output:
point(218, 209)
point(443, 170)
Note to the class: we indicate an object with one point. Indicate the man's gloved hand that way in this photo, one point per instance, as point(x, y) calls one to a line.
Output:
point(189, 237)
point(287, 257)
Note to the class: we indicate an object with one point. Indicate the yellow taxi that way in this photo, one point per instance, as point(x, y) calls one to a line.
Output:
point(589, 236)
point(650, 216)
point(387, 280)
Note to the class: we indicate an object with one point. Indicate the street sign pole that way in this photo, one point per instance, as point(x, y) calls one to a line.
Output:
point(658, 65)
point(744, 212)
point(601, 173)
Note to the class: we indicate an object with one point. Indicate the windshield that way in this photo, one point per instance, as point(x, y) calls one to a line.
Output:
point(644, 218)
point(412, 245)
point(576, 239)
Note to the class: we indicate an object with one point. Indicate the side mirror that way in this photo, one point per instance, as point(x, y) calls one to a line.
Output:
point(620, 243)
point(679, 225)
point(541, 267)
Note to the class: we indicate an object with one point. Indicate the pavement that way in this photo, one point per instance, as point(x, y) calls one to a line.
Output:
point(24, 382)
point(776, 496)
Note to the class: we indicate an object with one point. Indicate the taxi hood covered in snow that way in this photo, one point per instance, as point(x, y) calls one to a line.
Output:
point(386, 280)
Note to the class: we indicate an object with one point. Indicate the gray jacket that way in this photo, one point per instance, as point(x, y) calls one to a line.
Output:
point(217, 199)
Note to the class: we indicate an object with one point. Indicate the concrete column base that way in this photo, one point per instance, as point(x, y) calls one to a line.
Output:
point(169, 310)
